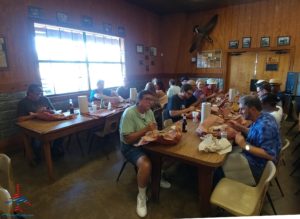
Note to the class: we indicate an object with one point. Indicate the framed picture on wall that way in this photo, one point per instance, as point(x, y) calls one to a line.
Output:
point(153, 51)
point(3, 54)
point(246, 43)
point(86, 21)
point(265, 42)
point(140, 48)
point(233, 44)
point(62, 17)
point(34, 12)
point(283, 40)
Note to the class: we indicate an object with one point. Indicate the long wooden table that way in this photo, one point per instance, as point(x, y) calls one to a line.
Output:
point(187, 151)
point(47, 131)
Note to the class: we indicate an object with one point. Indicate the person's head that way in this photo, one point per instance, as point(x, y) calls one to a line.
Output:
point(184, 79)
point(145, 100)
point(34, 92)
point(275, 85)
point(100, 85)
point(263, 88)
point(250, 107)
point(268, 102)
point(200, 83)
point(150, 87)
point(192, 83)
point(212, 83)
point(172, 82)
point(159, 85)
point(186, 91)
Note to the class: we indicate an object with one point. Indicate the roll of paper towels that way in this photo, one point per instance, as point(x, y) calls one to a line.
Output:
point(205, 111)
point(133, 94)
point(231, 94)
point(83, 104)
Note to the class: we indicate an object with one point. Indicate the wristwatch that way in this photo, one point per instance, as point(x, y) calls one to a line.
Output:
point(247, 147)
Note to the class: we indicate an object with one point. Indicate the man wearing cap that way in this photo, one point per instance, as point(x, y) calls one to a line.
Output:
point(212, 89)
point(184, 80)
point(275, 89)
point(262, 87)
point(28, 108)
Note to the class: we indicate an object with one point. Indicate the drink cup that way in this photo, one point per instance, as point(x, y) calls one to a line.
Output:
point(94, 107)
point(195, 116)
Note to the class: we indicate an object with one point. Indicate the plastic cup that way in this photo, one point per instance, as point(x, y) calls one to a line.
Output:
point(195, 116)
point(94, 107)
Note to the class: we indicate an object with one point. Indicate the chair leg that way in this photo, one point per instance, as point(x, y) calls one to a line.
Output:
point(271, 203)
point(295, 148)
point(294, 170)
point(277, 182)
point(291, 128)
point(68, 143)
point(79, 144)
point(121, 170)
point(298, 133)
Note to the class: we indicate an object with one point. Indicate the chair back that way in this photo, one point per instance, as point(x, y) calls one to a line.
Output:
point(6, 177)
point(263, 185)
point(111, 125)
point(5, 203)
point(294, 111)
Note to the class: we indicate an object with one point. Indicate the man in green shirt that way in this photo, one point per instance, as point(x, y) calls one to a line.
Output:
point(136, 121)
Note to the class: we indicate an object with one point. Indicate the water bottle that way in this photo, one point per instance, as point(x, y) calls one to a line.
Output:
point(109, 107)
point(71, 106)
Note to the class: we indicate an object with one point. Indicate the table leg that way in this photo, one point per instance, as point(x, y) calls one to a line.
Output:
point(47, 153)
point(155, 176)
point(205, 180)
point(28, 148)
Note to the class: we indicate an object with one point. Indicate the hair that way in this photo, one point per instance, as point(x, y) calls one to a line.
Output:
point(150, 87)
point(264, 86)
point(269, 98)
point(172, 81)
point(184, 78)
point(34, 87)
point(251, 101)
point(186, 88)
point(142, 93)
point(160, 84)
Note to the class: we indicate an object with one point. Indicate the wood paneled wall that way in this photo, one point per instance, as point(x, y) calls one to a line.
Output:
point(271, 18)
point(141, 26)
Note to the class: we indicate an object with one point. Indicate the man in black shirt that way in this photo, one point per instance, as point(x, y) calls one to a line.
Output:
point(178, 104)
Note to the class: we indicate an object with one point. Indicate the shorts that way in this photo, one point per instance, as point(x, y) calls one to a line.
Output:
point(131, 153)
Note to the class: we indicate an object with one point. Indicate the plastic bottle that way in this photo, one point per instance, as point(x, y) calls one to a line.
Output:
point(184, 123)
point(71, 106)
point(109, 107)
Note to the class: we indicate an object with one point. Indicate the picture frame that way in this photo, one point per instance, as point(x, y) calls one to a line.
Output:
point(140, 48)
point(86, 21)
point(62, 17)
point(35, 12)
point(107, 28)
point(246, 42)
point(3, 54)
point(283, 40)
point(233, 44)
point(121, 31)
point(153, 51)
point(265, 41)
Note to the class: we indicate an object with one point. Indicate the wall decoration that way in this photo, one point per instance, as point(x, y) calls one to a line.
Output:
point(209, 59)
point(121, 31)
point(152, 62)
point(3, 54)
point(246, 43)
point(283, 40)
point(107, 28)
point(34, 12)
point(62, 17)
point(153, 51)
point(265, 42)
point(140, 48)
point(233, 44)
point(272, 63)
point(146, 48)
point(141, 62)
point(86, 21)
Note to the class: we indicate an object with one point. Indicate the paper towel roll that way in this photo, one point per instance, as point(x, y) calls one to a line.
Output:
point(133, 94)
point(231, 94)
point(205, 111)
point(83, 104)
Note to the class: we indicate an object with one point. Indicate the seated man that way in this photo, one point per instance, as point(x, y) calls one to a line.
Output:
point(29, 107)
point(263, 138)
point(102, 93)
point(178, 104)
point(269, 101)
point(124, 91)
point(135, 122)
point(262, 87)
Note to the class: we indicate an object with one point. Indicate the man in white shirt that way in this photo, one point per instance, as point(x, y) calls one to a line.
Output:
point(174, 89)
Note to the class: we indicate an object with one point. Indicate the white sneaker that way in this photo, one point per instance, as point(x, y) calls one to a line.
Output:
point(141, 207)
point(164, 183)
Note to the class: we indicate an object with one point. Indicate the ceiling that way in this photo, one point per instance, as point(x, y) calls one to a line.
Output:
point(163, 7)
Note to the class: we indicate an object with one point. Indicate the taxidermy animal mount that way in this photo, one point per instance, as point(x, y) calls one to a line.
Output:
point(202, 33)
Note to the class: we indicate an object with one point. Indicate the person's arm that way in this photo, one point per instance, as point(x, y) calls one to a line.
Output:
point(182, 111)
point(25, 118)
point(135, 136)
point(238, 127)
point(257, 151)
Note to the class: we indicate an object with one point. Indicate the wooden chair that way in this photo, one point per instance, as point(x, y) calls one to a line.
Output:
point(294, 115)
point(122, 168)
point(240, 199)
point(6, 176)
point(6, 204)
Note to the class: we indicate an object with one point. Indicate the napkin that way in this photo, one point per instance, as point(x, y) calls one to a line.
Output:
point(212, 144)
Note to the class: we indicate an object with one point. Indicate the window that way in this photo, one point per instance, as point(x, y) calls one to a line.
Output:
point(72, 60)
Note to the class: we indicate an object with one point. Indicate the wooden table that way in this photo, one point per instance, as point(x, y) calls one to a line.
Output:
point(187, 151)
point(47, 131)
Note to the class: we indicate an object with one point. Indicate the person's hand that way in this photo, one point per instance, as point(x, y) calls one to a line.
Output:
point(191, 108)
point(151, 126)
point(240, 140)
point(234, 124)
